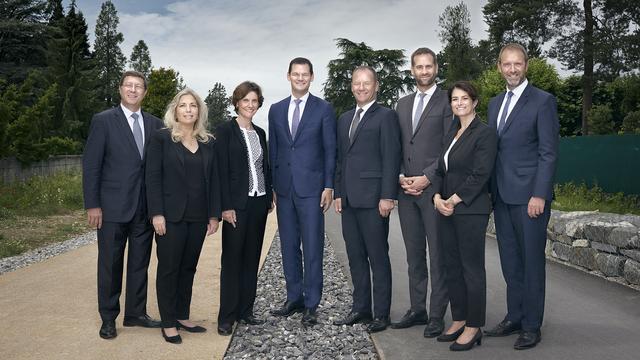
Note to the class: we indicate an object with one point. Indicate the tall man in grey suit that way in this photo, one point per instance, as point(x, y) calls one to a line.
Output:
point(425, 117)
point(365, 188)
point(526, 120)
point(114, 196)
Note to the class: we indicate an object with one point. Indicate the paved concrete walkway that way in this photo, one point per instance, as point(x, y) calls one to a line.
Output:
point(49, 310)
point(586, 317)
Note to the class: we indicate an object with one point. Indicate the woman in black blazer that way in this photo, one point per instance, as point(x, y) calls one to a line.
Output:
point(462, 198)
point(245, 181)
point(183, 197)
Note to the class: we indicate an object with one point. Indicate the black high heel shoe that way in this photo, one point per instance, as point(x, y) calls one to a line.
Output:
point(176, 339)
point(477, 339)
point(452, 336)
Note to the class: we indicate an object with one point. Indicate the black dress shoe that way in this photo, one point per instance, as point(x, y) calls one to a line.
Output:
point(378, 324)
point(143, 321)
point(108, 329)
point(354, 318)
point(225, 329)
point(289, 308)
point(505, 328)
point(527, 340)
point(434, 328)
point(250, 319)
point(175, 339)
point(476, 339)
point(410, 319)
point(309, 317)
point(192, 329)
point(451, 337)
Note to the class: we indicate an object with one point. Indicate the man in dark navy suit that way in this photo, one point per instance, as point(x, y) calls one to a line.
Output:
point(302, 152)
point(367, 172)
point(526, 121)
point(114, 196)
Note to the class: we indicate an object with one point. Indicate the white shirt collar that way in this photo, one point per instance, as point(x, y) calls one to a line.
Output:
point(304, 99)
point(127, 113)
point(519, 89)
point(429, 92)
point(365, 107)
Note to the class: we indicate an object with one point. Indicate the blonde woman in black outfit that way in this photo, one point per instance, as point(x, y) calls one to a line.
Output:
point(183, 195)
point(245, 181)
point(462, 199)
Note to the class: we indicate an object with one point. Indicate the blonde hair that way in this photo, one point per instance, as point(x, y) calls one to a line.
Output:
point(199, 127)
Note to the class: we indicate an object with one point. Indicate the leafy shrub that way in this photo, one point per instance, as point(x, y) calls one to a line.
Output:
point(631, 123)
point(601, 120)
point(572, 197)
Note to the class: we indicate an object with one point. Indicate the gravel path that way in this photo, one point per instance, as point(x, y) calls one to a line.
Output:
point(33, 256)
point(286, 338)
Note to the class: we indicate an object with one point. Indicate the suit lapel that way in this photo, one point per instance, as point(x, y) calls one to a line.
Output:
point(493, 121)
point(308, 111)
point(405, 116)
point(367, 115)
point(432, 101)
point(467, 133)
point(148, 128)
point(204, 151)
point(522, 101)
point(125, 130)
point(177, 148)
point(284, 118)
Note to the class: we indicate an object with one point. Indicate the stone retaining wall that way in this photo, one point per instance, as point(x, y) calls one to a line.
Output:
point(606, 245)
point(11, 170)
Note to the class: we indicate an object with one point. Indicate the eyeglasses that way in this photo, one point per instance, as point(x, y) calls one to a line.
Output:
point(132, 86)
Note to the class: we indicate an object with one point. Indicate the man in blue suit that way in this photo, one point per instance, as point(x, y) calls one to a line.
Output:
point(526, 121)
point(302, 153)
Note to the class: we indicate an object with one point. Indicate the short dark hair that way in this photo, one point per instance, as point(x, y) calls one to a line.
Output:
point(242, 90)
point(134, 74)
point(423, 51)
point(367, 68)
point(466, 87)
point(300, 61)
point(512, 47)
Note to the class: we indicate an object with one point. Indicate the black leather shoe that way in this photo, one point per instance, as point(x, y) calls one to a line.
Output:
point(250, 319)
point(476, 339)
point(176, 339)
point(353, 318)
point(434, 328)
point(505, 328)
point(410, 319)
point(451, 337)
point(309, 317)
point(527, 340)
point(108, 329)
point(225, 329)
point(378, 324)
point(143, 321)
point(289, 308)
point(193, 329)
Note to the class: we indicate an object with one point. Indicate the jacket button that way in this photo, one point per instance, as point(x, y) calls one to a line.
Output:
point(411, 142)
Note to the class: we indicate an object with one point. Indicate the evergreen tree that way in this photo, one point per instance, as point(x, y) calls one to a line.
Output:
point(140, 59)
point(109, 59)
point(458, 58)
point(218, 106)
point(164, 84)
point(386, 63)
point(55, 12)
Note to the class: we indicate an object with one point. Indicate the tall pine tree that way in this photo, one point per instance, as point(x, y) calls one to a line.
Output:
point(140, 59)
point(218, 103)
point(109, 59)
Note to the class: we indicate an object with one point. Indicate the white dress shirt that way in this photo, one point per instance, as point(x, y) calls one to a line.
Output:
point(127, 114)
point(292, 108)
point(517, 92)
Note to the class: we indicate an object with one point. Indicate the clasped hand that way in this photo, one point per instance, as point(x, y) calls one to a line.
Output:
point(414, 185)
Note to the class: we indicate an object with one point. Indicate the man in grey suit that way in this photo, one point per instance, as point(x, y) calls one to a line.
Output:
point(425, 117)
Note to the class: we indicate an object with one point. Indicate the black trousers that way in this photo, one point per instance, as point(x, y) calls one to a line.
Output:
point(463, 238)
point(241, 247)
point(178, 253)
point(112, 240)
point(365, 235)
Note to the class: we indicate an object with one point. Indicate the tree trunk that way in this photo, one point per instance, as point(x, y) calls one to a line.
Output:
point(587, 78)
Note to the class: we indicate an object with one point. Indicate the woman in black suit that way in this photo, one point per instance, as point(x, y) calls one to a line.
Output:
point(183, 196)
point(462, 198)
point(246, 201)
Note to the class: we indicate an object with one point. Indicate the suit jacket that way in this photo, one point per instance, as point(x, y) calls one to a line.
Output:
point(112, 171)
point(234, 165)
point(528, 147)
point(307, 162)
point(470, 161)
point(421, 149)
point(166, 177)
point(367, 169)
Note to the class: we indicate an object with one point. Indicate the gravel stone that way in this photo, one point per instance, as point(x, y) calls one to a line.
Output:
point(287, 338)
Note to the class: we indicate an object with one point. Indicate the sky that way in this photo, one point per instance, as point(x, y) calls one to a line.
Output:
point(230, 41)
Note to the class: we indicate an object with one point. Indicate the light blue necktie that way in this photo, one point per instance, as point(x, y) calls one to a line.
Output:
point(505, 111)
point(137, 133)
point(295, 120)
point(419, 108)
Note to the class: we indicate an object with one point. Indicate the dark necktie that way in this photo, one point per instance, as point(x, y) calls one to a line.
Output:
point(419, 109)
point(295, 120)
point(137, 133)
point(505, 111)
point(354, 124)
